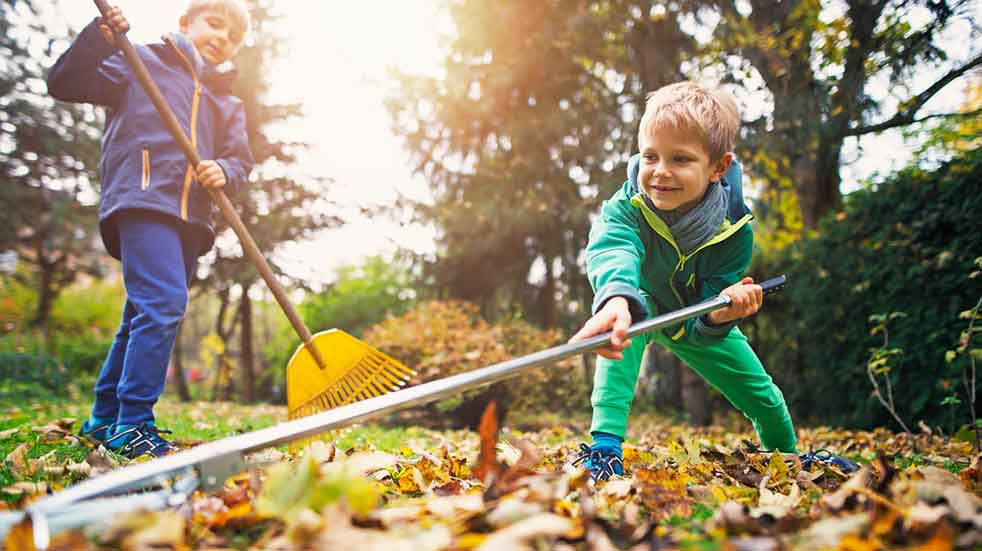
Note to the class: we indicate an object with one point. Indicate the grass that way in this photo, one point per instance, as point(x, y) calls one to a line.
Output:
point(191, 424)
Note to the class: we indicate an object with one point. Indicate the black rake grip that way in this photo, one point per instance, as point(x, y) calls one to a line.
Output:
point(774, 284)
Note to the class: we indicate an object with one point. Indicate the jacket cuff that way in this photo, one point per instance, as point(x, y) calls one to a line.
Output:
point(231, 182)
point(704, 326)
point(635, 302)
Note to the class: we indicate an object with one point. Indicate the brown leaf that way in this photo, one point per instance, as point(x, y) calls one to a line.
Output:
point(141, 530)
point(515, 536)
point(100, 461)
point(70, 540)
point(55, 431)
point(488, 467)
point(20, 537)
point(5, 434)
point(18, 463)
point(26, 488)
point(82, 469)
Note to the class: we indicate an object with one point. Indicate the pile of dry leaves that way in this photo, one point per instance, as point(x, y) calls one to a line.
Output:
point(684, 488)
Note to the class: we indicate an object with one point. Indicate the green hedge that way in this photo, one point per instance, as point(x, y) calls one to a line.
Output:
point(27, 376)
point(906, 246)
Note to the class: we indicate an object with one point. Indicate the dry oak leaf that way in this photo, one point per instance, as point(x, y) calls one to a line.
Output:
point(17, 461)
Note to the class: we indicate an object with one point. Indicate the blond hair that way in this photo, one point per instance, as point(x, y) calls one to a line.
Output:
point(237, 10)
point(712, 113)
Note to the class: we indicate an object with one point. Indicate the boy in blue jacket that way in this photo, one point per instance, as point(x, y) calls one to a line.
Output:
point(675, 234)
point(155, 213)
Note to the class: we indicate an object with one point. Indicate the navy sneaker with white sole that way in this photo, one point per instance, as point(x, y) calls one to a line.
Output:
point(844, 464)
point(133, 441)
point(603, 462)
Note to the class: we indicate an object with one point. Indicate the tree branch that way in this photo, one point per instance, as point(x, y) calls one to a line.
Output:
point(884, 126)
point(906, 115)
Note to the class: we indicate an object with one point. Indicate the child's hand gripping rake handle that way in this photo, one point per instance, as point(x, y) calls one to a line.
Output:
point(217, 195)
point(719, 301)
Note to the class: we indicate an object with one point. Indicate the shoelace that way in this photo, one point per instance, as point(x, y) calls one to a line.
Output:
point(602, 465)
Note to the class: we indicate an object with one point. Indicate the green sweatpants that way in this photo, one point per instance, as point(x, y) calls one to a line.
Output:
point(730, 366)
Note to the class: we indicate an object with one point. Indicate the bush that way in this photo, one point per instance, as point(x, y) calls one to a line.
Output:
point(83, 323)
point(905, 246)
point(27, 377)
point(442, 338)
point(79, 354)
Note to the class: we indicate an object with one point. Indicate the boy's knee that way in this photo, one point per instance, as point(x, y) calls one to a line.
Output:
point(169, 309)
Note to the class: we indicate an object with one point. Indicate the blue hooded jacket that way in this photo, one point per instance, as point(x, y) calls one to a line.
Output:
point(142, 167)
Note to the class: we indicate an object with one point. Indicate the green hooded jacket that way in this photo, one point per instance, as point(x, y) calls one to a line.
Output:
point(632, 253)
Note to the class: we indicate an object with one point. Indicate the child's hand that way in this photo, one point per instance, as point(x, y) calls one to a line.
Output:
point(745, 300)
point(114, 21)
point(615, 316)
point(210, 174)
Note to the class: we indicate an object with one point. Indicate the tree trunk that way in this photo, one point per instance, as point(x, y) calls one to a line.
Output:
point(224, 381)
point(246, 355)
point(183, 392)
point(548, 298)
point(696, 398)
point(46, 299)
point(666, 368)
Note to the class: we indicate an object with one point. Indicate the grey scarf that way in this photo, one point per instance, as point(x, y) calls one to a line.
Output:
point(699, 224)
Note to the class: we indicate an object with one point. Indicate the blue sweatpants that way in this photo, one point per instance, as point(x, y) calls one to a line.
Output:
point(159, 254)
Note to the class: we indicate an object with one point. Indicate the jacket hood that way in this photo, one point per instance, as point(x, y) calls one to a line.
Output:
point(219, 80)
point(732, 183)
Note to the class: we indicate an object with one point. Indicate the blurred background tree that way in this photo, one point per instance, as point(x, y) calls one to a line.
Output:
point(49, 153)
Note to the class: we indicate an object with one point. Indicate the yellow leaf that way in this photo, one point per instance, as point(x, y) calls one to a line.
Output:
point(410, 481)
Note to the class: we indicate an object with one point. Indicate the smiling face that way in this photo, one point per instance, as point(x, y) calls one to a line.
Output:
point(215, 34)
point(675, 166)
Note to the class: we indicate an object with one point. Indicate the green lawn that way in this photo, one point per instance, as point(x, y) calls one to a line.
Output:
point(190, 423)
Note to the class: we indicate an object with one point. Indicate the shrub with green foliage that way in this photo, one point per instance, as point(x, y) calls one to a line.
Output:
point(442, 338)
point(83, 322)
point(904, 246)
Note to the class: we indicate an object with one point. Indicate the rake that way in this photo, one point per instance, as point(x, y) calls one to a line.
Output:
point(208, 466)
point(329, 369)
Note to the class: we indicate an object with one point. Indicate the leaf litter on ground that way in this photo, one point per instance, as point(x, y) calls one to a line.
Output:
point(684, 487)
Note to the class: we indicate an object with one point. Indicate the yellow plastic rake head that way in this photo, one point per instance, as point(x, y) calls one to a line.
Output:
point(355, 371)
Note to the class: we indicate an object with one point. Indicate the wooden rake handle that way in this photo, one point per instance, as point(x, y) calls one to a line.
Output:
point(217, 195)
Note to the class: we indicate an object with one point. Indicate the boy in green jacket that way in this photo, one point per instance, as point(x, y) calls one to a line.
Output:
point(676, 233)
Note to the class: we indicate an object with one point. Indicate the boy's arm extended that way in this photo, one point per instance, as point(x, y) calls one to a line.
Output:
point(89, 72)
point(614, 254)
point(235, 157)
point(734, 259)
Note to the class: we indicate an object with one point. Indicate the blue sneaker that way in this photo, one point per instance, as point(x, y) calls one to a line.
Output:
point(844, 464)
point(603, 462)
point(95, 430)
point(132, 441)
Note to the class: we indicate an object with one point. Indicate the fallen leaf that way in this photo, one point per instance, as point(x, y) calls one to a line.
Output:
point(26, 488)
point(8, 433)
point(776, 504)
point(20, 537)
point(487, 460)
point(17, 461)
point(515, 536)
